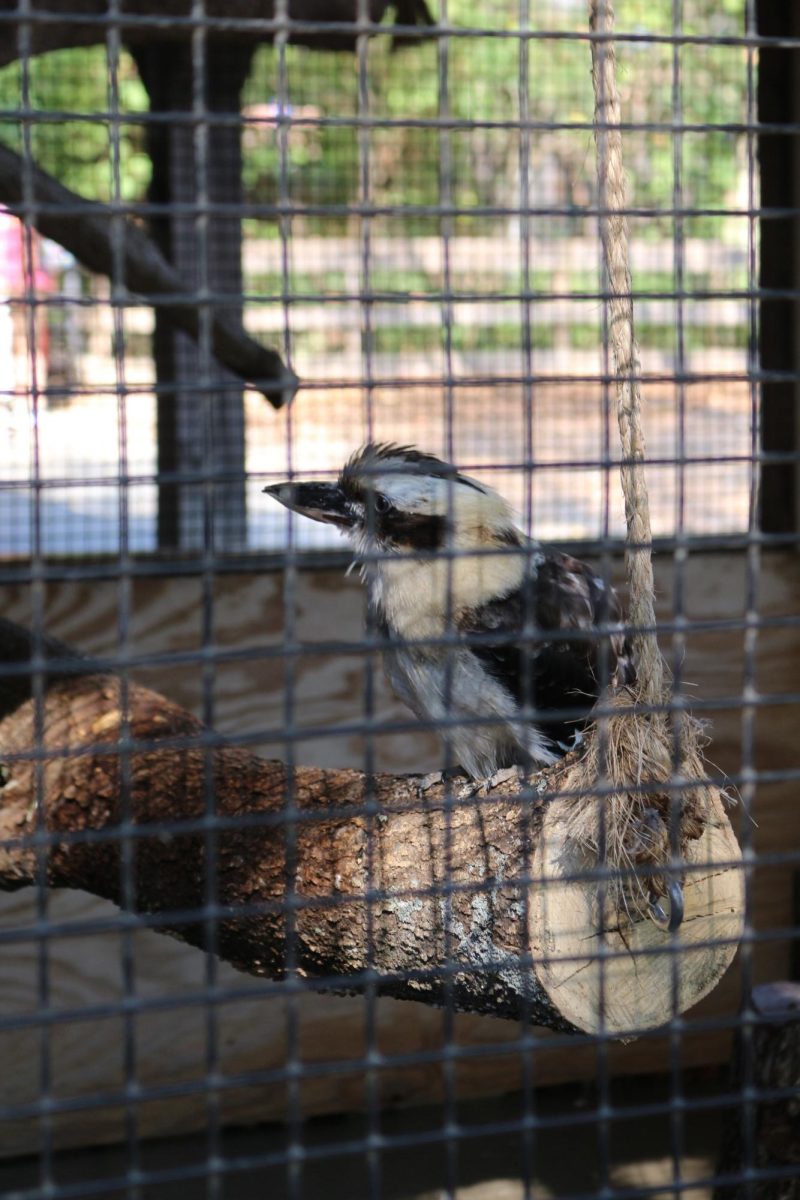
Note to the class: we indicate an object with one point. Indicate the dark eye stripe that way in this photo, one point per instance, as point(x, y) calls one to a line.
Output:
point(420, 531)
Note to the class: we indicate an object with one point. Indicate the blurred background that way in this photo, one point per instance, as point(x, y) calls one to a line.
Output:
point(419, 238)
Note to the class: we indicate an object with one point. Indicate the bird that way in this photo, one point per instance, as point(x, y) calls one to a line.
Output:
point(500, 643)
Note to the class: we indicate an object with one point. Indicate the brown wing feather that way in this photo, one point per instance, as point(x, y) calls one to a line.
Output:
point(572, 596)
point(537, 660)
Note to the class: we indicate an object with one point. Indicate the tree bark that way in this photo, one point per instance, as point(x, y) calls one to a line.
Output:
point(341, 877)
point(366, 862)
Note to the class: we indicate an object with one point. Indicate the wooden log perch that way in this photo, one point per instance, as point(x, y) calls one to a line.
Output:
point(87, 230)
point(470, 907)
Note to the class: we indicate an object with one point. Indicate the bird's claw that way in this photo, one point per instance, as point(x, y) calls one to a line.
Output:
point(515, 774)
point(473, 787)
point(437, 777)
point(482, 787)
point(670, 922)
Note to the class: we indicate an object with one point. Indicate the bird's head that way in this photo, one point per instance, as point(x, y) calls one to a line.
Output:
point(398, 499)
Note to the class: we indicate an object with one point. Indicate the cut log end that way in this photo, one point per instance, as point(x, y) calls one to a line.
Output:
point(622, 973)
point(411, 893)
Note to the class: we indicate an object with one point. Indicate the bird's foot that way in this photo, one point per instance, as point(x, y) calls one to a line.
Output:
point(516, 774)
point(482, 787)
point(464, 787)
point(437, 777)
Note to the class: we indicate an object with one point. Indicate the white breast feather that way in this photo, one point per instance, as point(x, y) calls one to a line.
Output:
point(421, 598)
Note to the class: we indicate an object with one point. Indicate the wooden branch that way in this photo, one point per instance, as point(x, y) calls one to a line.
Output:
point(375, 877)
point(87, 230)
point(332, 856)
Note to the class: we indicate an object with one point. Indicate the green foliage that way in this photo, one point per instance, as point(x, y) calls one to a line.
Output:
point(385, 158)
point(72, 139)
point(509, 336)
point(473, 165)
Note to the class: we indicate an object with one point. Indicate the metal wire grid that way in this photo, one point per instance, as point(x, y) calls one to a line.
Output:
point(63, 486)
point(218, 1171)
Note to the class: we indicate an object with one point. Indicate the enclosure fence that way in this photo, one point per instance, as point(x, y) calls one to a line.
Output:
point(238, 242)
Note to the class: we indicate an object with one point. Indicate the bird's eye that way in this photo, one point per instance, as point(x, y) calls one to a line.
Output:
point(382, 505)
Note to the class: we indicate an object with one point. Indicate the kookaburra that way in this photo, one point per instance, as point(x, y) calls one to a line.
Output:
point(500, 644)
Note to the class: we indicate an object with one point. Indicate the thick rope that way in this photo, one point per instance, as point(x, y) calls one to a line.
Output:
point(614, 234)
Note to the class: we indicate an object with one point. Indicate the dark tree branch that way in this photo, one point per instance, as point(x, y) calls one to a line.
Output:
point(18, 664)
point(62, 24)
point(87, 230)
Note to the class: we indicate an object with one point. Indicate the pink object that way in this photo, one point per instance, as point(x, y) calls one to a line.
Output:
point(15, 281)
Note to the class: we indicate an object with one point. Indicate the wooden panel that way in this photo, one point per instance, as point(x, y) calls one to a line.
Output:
point(86, 1057)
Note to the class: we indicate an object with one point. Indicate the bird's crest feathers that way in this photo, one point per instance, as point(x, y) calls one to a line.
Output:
point(387, 458)
point(416, 483)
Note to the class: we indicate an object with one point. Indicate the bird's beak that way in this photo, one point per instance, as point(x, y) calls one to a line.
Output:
point(321, 501)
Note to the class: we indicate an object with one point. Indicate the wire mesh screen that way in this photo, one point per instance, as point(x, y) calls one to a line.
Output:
point(239, 245)
point(405, 209)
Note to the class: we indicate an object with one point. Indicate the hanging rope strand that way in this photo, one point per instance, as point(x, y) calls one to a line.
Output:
point(614, 234)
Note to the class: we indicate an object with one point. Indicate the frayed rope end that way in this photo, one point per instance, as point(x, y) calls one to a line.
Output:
point(641, 793)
